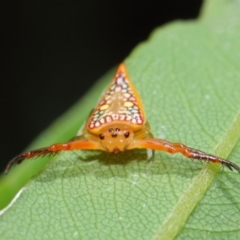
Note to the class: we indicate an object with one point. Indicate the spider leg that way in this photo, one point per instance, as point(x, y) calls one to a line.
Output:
point(78, 144)
point(162, 145)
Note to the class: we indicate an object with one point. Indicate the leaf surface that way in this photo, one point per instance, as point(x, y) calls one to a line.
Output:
point(187, 74)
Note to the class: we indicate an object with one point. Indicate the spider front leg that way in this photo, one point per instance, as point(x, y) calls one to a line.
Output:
point(74, 144)
point(162, 145)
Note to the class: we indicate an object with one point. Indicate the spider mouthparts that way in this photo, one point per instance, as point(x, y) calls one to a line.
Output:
point(116, 150)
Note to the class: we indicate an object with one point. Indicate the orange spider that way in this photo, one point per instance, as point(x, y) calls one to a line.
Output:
point(117, 124)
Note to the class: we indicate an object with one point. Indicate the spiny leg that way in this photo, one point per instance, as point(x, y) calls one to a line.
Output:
point(162, 145)
point(27, 155)
point(80, 144)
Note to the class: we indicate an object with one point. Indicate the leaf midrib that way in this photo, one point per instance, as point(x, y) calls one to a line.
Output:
point(179, 215)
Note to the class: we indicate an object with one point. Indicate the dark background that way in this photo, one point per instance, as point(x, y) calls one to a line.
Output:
point(53, 51)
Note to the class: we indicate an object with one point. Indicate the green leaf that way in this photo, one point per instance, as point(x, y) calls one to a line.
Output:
point(187, 74)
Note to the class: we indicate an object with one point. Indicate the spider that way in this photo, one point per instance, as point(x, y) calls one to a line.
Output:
point(117, 124)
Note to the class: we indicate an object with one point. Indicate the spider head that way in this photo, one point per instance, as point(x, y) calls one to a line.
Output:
point(115, 137)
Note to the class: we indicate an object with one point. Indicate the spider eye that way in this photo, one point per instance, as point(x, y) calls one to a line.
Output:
point(114, 134)
point(117, 129)
point(110, 130)
point(101, 136)
point(126, 134)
